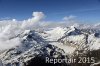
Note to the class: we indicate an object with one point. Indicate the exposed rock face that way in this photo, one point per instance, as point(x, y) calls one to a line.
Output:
point(33, 45)
point(36, 46)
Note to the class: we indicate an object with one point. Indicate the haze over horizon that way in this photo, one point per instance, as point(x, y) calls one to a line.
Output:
point(55, 10)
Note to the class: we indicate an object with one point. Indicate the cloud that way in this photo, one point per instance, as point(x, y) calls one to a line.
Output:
point(68, 18)
point(36, 17)
point(5, 18)
point(66, 21)
point(11, 28)
point(9, 43)
point(6, 33)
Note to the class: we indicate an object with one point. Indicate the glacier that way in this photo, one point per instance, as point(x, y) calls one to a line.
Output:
point(29, 42)
point(59, 42)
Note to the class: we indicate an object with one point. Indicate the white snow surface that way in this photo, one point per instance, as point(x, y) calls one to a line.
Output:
point(56, 33)
point(20, 39)
point(29, 41)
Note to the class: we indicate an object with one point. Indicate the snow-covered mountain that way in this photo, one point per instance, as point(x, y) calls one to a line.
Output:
point(59, 42)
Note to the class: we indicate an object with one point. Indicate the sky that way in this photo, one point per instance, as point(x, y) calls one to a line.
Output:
point(84, 10)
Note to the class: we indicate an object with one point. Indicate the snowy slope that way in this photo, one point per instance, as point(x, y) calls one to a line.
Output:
point(31, 45)
point(56, 33)
point(53, 43)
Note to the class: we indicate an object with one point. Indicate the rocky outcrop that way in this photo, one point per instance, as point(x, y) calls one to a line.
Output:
point(36, 46)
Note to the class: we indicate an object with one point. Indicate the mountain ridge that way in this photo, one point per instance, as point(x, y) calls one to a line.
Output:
point(55, 43)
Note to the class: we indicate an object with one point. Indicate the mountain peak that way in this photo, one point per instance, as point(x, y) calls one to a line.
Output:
point(73, 27)
point(73, 31)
